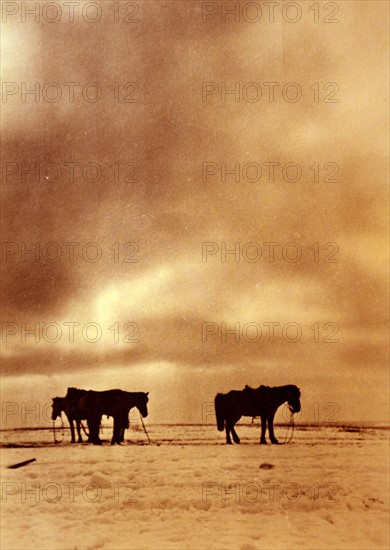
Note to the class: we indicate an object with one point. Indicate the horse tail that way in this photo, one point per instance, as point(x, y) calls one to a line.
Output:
point(220, 411)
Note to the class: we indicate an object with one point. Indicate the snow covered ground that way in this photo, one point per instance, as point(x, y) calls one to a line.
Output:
point(328, 488)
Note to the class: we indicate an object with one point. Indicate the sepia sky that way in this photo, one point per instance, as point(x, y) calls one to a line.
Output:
point(171, 209)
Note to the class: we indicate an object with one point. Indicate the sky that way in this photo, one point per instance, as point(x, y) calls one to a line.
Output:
point(141, 183)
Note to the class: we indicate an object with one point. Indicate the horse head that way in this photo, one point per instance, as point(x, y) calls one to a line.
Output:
point(56, 407)
point(74, 393)
point(293, 395)
point(141, 404)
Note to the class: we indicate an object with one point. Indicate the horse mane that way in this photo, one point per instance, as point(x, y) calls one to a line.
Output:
point(293, 388)
point(58, 399)
point(75, 391)
point(259, 389)
point(270, 389)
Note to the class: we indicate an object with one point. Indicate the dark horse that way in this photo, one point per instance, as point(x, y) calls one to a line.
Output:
point(69, 407)
point(262, 401)
point(116, 403)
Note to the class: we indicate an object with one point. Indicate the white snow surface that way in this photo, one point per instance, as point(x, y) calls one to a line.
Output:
point(326, 489)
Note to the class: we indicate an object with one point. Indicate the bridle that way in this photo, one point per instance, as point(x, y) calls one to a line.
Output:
point(144, 427)
point(54, 428)
point(291, 425)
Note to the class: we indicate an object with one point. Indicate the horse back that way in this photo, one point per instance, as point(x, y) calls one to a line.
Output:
point(108, 402)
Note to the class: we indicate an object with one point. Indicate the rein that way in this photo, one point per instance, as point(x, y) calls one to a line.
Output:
point(84, 430)
point(54, 430)
point(287, 439)
point(144, 427)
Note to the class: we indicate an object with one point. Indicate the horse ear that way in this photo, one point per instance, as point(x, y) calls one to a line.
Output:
point(147, 393)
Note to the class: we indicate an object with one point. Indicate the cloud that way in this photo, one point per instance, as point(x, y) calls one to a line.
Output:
point(169, 210)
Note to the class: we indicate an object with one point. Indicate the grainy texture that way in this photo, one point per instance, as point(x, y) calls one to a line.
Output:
point(328, 489)
point(209, 209)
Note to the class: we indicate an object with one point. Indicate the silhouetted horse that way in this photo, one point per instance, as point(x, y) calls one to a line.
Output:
point(262, 401)
point(115, 403)
point(69, 407)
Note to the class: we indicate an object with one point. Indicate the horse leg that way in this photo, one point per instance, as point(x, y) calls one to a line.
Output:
point(230, 428)
point(263, 428)
point(93, 424)
point(78, 424)
point(91, 430)
point(98, 422)
point(73, 439)
point(122, 435)
point(236, 439)
point(271, 429)
point(113, 432)
point(89, 440)
point(116, 432)
point(227, 429)
point(126, 424)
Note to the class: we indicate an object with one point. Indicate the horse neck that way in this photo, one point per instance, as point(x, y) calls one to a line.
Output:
point(59, 406)
point(73, 399)
point(75, 394)
point(280, 395)
point(134, 396)
point(67, 407)
point(136, 400)
point(70, 404)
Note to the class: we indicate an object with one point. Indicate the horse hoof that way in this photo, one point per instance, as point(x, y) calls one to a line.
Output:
point(228, 443)
point(263, 443)
point(275, 442)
